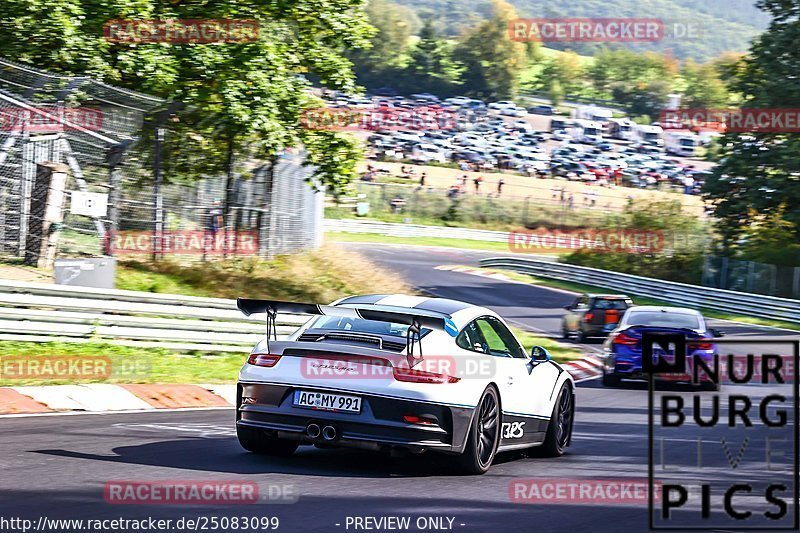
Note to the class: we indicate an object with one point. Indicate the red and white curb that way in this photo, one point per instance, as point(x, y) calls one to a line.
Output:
point(103, 397)
point(474, 271)
point(589, 367)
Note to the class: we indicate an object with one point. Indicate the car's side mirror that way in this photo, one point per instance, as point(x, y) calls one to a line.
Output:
point(539, 354)
point(716, 332)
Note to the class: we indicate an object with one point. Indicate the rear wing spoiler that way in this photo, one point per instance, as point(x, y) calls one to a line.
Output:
point(415, 318)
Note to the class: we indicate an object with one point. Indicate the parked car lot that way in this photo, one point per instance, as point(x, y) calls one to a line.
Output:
point(500, 136)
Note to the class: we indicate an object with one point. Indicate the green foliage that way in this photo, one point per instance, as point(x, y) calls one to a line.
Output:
point(704, 87)
point(682, 257)
point(493, 62)
point(758, 179)
point(243, 99)
point(432, 67)
point(772, 240)
point(561, 75)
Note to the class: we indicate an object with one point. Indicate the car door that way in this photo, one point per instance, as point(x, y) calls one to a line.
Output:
point(527, 402)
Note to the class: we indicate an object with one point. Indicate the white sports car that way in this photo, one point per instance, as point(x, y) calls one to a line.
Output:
point(401, 374)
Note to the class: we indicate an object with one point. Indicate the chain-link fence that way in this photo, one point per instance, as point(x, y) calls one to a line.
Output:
point(54, 127)
point(749, 276)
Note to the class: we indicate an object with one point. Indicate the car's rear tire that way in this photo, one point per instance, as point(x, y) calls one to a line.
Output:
point(483, 437)
point(256, 441)
point(580, 336)
point(610, 380)
point(559, 430)
point(564, 332)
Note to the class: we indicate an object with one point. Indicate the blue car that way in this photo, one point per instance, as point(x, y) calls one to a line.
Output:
point(622, 351)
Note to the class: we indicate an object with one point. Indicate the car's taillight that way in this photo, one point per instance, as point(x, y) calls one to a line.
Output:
point(420, 376)
point(701, 344)
point(263, 359)
point(627, 340)
point(612, 316)
point(588, 317)
point(415, 419)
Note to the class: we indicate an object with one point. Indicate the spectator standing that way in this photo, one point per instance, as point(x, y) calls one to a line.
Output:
point(500, 184)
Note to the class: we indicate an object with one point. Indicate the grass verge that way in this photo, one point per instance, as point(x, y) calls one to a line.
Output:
point(322, 275)
point(559, 352)
point(336, 236)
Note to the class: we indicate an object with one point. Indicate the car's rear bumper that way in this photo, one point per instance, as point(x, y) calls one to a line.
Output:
point(380, 424)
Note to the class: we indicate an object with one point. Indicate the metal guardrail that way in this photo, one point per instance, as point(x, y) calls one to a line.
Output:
point(682, 294)
point(42, 312)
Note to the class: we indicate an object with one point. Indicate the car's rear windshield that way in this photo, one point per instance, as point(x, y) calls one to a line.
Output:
point(663, 319)
point(360, 325)
point(611, 303)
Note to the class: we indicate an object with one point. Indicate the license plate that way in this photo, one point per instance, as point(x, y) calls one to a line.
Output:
point(327, 402)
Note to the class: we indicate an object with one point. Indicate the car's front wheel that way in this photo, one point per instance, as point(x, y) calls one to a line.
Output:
point(256, 441)
point(483, 437)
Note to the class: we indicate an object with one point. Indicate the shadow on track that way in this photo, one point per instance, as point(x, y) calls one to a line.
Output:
point(224, 455)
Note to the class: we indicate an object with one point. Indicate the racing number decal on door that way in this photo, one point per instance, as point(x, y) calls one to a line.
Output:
point(513, 430)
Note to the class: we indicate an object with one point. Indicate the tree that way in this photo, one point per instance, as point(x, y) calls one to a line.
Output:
point(492, 60)
point(759, 175)
point(562, 75)
point(387, 55)
point(432, 67)
point(703, 86)
point(241, 98)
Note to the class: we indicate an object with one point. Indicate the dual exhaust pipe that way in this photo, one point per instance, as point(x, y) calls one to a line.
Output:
point(328, 433)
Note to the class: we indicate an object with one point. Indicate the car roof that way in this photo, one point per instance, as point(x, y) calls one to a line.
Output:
point(460, 312)
point(665, 309)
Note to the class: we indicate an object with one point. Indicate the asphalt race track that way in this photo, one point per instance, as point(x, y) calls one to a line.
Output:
point(57, 466)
